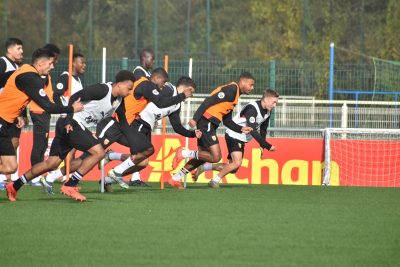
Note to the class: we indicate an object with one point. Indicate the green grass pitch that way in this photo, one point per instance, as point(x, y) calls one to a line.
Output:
point(239, 225)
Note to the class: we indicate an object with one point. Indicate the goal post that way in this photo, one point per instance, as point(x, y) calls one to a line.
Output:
point(362, 157)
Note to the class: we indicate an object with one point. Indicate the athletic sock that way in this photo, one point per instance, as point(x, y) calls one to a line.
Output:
point(19, 182)
point(179, 175)
point(135, 176)
point(192, 154)
point(124, 166)
point(216, 179)
point(54, 175)
point(115, 156)
point(3, 178)
point(74, 180)
point(35, 180)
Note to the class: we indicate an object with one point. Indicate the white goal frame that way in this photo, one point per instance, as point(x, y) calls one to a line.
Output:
point(344, 131)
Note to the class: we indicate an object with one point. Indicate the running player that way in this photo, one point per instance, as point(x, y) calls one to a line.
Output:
point(41, 119)
point(100, 100)
point(217, 107)
point(23, 86)
point(60, 96)
point(132, 126)
point(149, 117)
point(8, 64)
point(256, 115)
point(143, 70)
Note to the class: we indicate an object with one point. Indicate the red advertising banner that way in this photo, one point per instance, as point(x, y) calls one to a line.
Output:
point(296, 161)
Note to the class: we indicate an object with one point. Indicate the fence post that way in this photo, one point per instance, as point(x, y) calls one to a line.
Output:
point(272, 85)
point(124, 63)
point(344, 115)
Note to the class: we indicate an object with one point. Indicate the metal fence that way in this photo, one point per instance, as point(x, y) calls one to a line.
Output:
point(307, 117)
point(369, 80)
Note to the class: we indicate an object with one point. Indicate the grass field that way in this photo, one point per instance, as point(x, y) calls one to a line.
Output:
point(244, 225)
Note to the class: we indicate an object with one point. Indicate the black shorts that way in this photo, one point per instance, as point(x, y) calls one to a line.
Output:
point(80, 138)
point(233, 145)
point(14, 131)
point(108, 132)
point(6, 146)
point(41, 122)
point(209, 133)
point(138, 135)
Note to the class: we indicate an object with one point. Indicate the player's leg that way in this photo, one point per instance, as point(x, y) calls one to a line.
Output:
point(41, 127)
point(8, 158)
point(138, 136)
point(8, 164)
point(231, 167)
point(235, 157)
point(108, 132)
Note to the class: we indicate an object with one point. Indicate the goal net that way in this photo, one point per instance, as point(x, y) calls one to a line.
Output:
point(362, 157)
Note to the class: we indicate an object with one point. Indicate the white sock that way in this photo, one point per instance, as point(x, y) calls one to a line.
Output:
point(135, 176)
point(216, 179)
point(3, 178)
point(207, 166)
point(35, 180)
point(179, 175)
point(124, 166)
point(54, 175)
point(189, 154)
point(115, 156)
point(108, 180)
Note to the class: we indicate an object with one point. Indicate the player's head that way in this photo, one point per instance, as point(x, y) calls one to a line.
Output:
point(78, 63)
point(124, 80)
point(147, 58)
point(14, 49)
point(56, 51)
point(246, 83)
point(185, 82)
point(269, 100)
point(43, 60)
point(159, 76)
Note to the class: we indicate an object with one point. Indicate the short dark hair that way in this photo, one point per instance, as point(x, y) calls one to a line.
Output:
point(76, 54)
point(124, 75)
point(160, 72)
point(246, 75)
point(146, 50)
point(12, 41)
point(41, 53)
point(53, 48)
point(270, 93)
point(185, 80)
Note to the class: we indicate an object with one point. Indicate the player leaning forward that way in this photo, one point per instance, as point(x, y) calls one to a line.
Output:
point(100, 101)
point(216, 108)
point(23, 86)
point(256, 115)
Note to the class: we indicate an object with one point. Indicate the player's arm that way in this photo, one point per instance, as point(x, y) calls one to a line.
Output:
point(226, 94)
point(3, 66)
point(264, 128)
point(250, 113)
point(32, 85)
point(228, 122)
point(151, 93)
point(4, 77)
point(88, 93)
point(121, 113)
point(60, 88)
point(177, 125)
